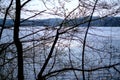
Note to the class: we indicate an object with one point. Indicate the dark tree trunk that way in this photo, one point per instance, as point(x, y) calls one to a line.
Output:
point(17, 40)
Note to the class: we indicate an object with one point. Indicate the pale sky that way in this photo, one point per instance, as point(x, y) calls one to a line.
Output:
point(54, 5)
point(38, 4)
point(51, 4)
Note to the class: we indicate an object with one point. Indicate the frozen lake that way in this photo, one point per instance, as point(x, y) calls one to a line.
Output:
point(102, 48)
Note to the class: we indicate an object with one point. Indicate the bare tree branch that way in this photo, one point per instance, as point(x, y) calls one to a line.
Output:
point(6, 13)
point(76, 69)
point(25, 3)
point(85, 38)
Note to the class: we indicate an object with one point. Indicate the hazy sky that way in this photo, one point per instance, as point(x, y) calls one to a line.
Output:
point(54, 5)
point(38, 4)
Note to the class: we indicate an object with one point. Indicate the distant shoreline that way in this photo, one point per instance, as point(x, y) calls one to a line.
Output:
point(81, 22)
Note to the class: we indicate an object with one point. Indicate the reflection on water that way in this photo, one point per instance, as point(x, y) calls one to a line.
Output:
point(102, 48)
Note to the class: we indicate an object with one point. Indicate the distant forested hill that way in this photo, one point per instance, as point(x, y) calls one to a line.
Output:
point(53, 22)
